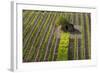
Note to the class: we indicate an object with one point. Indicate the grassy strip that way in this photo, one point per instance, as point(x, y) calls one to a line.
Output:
point(75, 48)
point(72, 20)
point(39, 47)
point(68, 16)
point(51, 49)
point(88, 34)
point(43, 46)
point(77, 38)
point(75, 22)
point(27, 18)
point(30, 24)
point(28, 40)
point(82, 42)
point(33, 24)
point(39, 37)
point(63, 47)
point(52, 28)
point(80, 39)
point(50, 53)
point(32, 52)
point(25, 14)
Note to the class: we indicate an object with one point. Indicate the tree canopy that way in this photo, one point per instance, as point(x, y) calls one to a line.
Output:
point(65, 25)
point(61, 21)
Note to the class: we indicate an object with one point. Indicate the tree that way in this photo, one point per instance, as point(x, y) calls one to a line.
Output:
point(65, 25)
point(61, 21)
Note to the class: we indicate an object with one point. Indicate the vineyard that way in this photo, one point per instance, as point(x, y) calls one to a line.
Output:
point(42, 43)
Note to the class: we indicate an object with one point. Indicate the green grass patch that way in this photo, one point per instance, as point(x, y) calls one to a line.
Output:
point(63, 47)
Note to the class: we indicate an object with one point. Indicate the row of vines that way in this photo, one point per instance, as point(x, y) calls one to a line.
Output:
point(40, 42)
